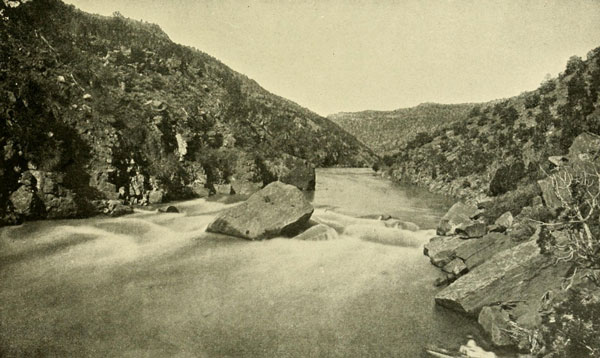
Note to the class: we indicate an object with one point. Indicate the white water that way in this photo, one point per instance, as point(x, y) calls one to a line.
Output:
point(157, 285)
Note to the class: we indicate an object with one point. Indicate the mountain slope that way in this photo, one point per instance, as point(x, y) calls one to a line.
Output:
point(505, 145)
point(385, 131)
point(108, 107)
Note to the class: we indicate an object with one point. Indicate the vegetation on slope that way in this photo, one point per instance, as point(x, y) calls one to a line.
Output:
point(386, 131)
point(107, 104)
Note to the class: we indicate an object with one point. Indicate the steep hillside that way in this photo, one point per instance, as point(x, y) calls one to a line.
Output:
point(504, 145)
point(109, 108)
point(386, 131)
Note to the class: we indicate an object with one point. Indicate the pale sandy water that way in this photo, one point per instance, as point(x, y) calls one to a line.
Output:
point(156, 285)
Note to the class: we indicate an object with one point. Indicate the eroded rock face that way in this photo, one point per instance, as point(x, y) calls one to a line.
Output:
point(277, 209)
point(443, 250)
point(459, 214)
point(319, 232)
point(520, 273)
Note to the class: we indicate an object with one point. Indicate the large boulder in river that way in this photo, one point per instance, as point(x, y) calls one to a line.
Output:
point(459, 214)
point(277, 209)
point(518, 274)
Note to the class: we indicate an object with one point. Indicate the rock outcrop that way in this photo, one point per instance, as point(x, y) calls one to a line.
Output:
point(459, 214)
point(278, 209)
point(517, 274)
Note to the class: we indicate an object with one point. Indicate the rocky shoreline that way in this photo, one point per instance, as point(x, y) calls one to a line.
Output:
point(498, 272)
point(44, 195)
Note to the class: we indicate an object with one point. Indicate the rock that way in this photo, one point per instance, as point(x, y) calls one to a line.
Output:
point(585, 146)
point(442, 249)
point(319, 232)
point(496, 322)
point(558, 160)
point(277, 209)
point(385, 217)
point(223, 189)
point(456, 267)
point(26, 202)
point(62, 207)
point(245, 187)
point(156, 196)
point(442, 280)
point(476, 252)
point(520, 273)
point(459, 213)
point(169, 209)
point(472, 230)
point(28, 179)
point(87, 96)
point(537, 201)
point(505, 220)
point(47, 182)
point(199, 190)
point(116, 208)
point(102, 181)
point(292, 170)
point(496, 228)
point(61, 79)
point(550, 190)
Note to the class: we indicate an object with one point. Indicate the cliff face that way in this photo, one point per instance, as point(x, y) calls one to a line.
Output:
point(96, 108)
point(386, 131)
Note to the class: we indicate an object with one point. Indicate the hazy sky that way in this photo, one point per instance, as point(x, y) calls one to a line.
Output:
point(351, 55)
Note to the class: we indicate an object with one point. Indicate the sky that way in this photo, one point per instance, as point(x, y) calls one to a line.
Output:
point(352, 55)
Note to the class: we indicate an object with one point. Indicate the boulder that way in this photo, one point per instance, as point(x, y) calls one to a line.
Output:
point(116, 208)
point(505, 220)
point(471, 230)
point(243, 187)
point(61, 207)
point(26, 202)
point(319, 232)
point(199, 190)
point(520, 273)
point(459, 214)
point(496, 228)
point(506, 178)
point(442, 249)
point(156, 196)
point(585, 147)
point(292, 170)
point(277, 209)
point(455, 267)
point(224, 189)
point(550, 190)
point(169, 209)
point(476, 252)
point(496, 322)
point(558, 160)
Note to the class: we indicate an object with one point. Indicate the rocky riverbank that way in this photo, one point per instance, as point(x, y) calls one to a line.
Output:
point(502, 272)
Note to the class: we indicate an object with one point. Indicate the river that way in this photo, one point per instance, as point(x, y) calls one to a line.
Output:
point(156, 285)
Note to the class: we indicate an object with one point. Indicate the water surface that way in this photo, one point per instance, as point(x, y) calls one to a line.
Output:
point(157, 285)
